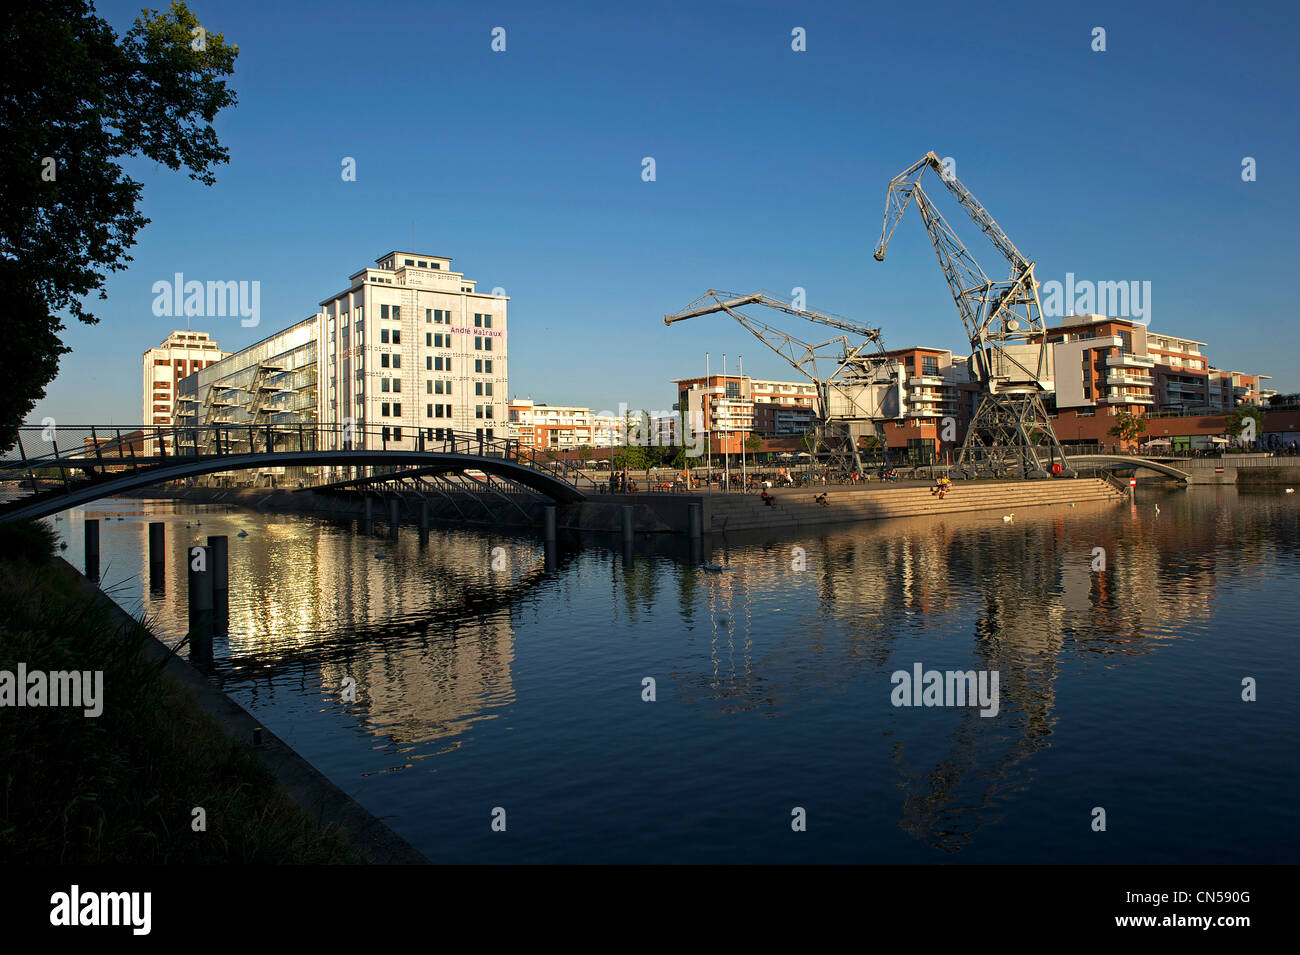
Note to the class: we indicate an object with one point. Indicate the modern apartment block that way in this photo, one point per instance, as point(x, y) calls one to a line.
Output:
point(409, 349)
point(272, 384)
point(1104, 366)
point(726, 407)
point(538, 425)
point(180, 354)
point(936, 405)
point(410, 346)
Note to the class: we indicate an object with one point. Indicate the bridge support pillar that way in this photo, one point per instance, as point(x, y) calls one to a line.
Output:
point(424, 514)
point(548, 522)
point(628, 533)
point(369, 509)
point(90, 537)
point(695, 520)
point(200, 598)
point(157, 554)
point(394, 503)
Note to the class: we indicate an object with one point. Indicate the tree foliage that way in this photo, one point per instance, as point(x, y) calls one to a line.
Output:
point(76, 102)
point(1128, 427)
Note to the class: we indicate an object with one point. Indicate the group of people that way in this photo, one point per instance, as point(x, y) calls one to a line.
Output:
point(941, 487)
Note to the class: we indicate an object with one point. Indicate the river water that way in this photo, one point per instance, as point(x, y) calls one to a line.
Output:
point(489, 687)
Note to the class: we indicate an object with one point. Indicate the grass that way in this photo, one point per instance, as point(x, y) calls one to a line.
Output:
point(122, 787)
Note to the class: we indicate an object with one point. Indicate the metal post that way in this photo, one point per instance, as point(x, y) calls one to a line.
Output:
point(548, 522)
point(393, 504)
point(200, 599)
point(219, 548)
point(424, 513)
point(628, 533)
point(157, 541)
point(90, 535)
point(695, 519)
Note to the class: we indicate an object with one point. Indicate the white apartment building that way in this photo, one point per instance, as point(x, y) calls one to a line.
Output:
point(539, 425)
point(180, 354)
point(411, 346)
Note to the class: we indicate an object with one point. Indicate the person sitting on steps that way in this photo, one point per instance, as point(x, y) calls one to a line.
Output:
point(821, 499)
point(768, 499)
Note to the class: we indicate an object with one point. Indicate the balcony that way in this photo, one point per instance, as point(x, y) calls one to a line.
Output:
point(1116, 398)
point(1129, 360)
point(924, 413)
point(1129, 378)
point(934, 381)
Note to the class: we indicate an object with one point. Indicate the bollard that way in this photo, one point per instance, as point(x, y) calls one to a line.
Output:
point(369, 511)
point(199, 569)
point(157, 556)
point(90, 537)
point(551, 560)
point(393, 504)
point(548, 522)
point(695, 518)
point(157, 543)
point(424, 513)
point(219, 550)
point(627, 523)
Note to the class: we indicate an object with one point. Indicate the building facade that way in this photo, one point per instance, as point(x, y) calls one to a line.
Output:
point(181, 354)
point(410, 351)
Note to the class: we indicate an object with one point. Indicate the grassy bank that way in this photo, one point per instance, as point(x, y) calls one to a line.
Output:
point(122, 787)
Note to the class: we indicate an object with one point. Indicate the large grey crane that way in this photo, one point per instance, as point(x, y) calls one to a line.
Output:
point(853, 383)
point(1010, 429)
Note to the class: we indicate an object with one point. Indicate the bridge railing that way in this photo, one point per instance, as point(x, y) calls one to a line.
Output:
point(53, 451)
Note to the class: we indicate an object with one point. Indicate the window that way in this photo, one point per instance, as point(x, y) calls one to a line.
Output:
point(383, 384)
point(397, 409)
point(383, 360)
point(397, 315)
point(437, 340)
point(387, 433)
point(397, 335)
point(487, 344)
point(397, 384)
point(383, 333)
point(437, 387)
point(478, 320)
point(383, 409)
point(478, 366)
point(733, 389)
point(397, 434)
point(442, 364)
point(408, 261)
point(428, 339)
point(383, 313)
point(930, 365)
point(478, 343)
point(428, 411)
point(428, 316)
point(487, 388)
point(397, 361)
point(478, 411)
point(428, 387)
point(478, 387)
point(428, 363)
point(487, 365)
point(487, 411)
point(487, 321)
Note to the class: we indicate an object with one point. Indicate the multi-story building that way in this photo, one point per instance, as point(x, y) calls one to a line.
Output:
point(409, 351)
point(180, 354)
point(935, 407)
point(411, 346)
point(725, 407)
point(539, 425)
point(1104, 366)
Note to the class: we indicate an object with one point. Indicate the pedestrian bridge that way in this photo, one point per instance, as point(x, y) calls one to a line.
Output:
point(51, 469)
point(1128, 461)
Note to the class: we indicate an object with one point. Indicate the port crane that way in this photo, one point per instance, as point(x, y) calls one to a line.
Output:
point(848, 396)
point(1010, 431)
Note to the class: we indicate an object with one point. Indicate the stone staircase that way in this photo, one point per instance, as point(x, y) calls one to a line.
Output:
point(747, 511)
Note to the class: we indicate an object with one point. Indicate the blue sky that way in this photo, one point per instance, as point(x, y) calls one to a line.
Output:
point(524, 167)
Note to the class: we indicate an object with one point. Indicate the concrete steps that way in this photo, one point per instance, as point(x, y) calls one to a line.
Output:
point(745, 512)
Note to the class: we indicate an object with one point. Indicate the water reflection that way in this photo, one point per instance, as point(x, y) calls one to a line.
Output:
point(439, 630)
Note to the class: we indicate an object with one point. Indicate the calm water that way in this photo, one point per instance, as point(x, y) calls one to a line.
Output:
point(522, 688)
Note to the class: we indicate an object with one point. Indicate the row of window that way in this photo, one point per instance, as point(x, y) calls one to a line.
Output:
point(391, 311)
point(482, 321)
point(437, 316)
point(390, 336)
point(395, 407)
point(384, 359)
